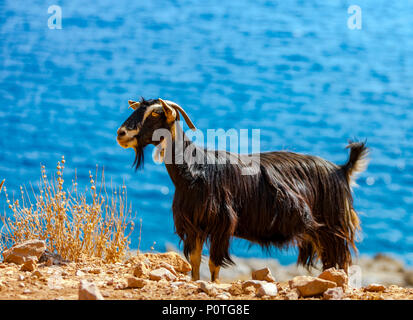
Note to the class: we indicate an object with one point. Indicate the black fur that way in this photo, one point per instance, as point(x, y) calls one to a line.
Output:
point(293, 199)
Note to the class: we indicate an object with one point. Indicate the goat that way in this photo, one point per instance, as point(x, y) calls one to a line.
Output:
point(293, 199)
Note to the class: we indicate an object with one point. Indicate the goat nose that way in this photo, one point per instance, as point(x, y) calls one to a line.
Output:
point(121, 132)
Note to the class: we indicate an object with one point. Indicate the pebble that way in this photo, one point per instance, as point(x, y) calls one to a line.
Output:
point(161, 273)
point(223, 296)
point(255, 283)
point(208, 288)
point(334, 275)
point(79, 273)
point(37, 274)
point(168, 267)
point(29, 265)
point(236, 289)
point(141, 270)
point(23, 251)
point(293, 294)
point(333, 294)
point(310, 286)
point(267, 289)
point(263, 274)
point(374, 287)
point(134, 282)
point(89, 291)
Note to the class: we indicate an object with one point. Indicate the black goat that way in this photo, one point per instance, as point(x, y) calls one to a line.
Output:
point(291, 199)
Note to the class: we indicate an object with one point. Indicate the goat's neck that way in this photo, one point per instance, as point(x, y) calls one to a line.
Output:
point(176, 163)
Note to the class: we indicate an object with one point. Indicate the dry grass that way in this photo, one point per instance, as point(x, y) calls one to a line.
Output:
point(75, 225)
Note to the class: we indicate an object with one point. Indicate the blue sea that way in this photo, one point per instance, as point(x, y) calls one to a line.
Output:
point(293, 69)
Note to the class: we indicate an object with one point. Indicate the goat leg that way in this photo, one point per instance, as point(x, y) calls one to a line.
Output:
point(195, 258)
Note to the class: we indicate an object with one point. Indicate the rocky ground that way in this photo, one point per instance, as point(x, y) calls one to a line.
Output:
point(30, 272)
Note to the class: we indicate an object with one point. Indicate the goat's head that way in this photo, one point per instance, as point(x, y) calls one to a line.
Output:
point(148, 116)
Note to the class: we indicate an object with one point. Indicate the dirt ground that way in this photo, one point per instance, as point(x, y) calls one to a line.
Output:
point(61, 282)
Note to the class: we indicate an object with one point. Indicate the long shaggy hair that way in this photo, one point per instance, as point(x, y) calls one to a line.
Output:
point(139, 157)
point(293, 199)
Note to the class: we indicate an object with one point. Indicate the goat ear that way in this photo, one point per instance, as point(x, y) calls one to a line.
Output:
point(170, 112)
point(133, 104)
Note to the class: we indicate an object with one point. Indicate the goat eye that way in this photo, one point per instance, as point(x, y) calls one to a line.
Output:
point(154, 114)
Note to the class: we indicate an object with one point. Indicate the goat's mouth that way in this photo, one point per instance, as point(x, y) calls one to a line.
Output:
point(127, 138)
point(126, 142)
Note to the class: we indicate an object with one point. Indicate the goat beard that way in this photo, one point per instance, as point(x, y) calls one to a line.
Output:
point(139, 157)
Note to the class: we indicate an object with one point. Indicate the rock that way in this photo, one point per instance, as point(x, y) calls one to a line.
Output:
point(172, 258)
point(180, 283)
point(293, 294)
point(29, 265)
point(255, 283)
point(260, 287)
point(55, 282)
point(79, 273)
point(89, 291)
point(334, 275)
point(190, 286)
point(168, 267)
point(250, 290)
point(37, 274)
point(161, 273)
point(136, 282)
point(95, 270)
point(21, 252)
point(120, 285)
point(310, 286)
point(267, 289)
point(223, 286)
point(208, 288)
point(141, 270)
point(333, 294)
point(374, 287)
point(263, 274)
point(128, 295)
point(223, 296)
point(236, 289)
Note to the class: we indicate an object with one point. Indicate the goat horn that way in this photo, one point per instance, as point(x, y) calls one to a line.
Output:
point(182, 111)
point(1, 184)
point(134, 105)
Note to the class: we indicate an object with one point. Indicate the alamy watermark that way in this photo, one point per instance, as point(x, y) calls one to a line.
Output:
point(355, 276)
point(354, 21)
point(217, 152)
point(55, 20)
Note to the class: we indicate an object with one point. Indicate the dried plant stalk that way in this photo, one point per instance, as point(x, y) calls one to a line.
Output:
point(76, 225)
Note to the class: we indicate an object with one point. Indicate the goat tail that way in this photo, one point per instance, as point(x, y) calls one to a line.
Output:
point(357, 161)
